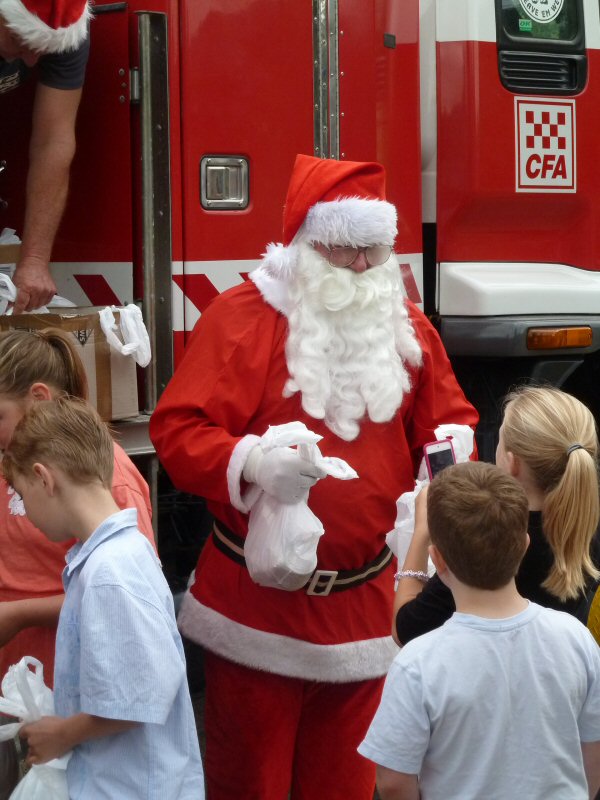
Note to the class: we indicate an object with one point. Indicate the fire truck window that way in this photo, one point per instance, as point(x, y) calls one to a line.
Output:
point(550, 20)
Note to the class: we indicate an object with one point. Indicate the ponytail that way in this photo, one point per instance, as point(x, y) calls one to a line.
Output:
point(541, 427)
point(569, 519)
point(47, 356)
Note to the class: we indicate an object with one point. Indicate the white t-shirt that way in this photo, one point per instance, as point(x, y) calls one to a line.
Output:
point(493, 709)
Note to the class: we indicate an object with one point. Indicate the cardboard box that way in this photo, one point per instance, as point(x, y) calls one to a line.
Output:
point(112, 377)
point(9, 253)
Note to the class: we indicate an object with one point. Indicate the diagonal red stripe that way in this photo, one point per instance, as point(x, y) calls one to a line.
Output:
point(97, 289)
point(410, 284)
point(197, 288)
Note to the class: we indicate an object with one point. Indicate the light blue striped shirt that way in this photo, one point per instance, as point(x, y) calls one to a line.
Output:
point(119, 655)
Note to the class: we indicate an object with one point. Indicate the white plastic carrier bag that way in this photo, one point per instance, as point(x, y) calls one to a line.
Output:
point(281, 545)
point(8, 295)
point(8, 290)
point(134, 341)
point(26, 697)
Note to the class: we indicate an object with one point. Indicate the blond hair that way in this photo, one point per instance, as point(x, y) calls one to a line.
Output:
point(477, 517)
point(541, 426)
point(66, 433)
point(47, 356)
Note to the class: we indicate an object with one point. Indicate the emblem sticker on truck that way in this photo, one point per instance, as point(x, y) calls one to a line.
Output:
point(545, 145)
point(542, 10)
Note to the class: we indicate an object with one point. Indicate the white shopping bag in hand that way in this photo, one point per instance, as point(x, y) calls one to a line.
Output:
point(281, 545)
point(26, 696)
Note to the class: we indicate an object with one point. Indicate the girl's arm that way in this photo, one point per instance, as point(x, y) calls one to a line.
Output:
point(419, 606)
point(416, 557)
point(15, 615)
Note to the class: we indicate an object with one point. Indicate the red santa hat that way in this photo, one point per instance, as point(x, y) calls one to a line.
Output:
point(338, 202)
point(47, 26)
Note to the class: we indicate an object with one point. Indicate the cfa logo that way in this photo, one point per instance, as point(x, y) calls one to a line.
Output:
point(545, 145)
point(546, 166)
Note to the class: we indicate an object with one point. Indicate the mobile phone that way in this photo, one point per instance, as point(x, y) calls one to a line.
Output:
point(438, 455)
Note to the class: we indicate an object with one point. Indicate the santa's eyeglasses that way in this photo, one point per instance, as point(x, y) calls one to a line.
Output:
point(376, 255)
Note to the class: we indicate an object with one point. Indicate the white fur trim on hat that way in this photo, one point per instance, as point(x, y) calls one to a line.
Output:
point(351, 221)
point(37, 35)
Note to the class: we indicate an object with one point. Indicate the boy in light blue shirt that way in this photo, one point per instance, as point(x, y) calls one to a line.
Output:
point(503, 701)
point(120, 689)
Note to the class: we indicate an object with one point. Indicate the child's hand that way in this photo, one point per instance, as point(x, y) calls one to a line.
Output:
point(46, 739)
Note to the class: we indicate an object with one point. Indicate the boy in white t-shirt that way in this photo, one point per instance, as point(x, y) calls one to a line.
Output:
point(503, 701)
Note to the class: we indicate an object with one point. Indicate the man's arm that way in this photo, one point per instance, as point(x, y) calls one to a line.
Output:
point(591, 762)
point(393, 785)
point(52, 737)
point(51, 151)
point(16, 615)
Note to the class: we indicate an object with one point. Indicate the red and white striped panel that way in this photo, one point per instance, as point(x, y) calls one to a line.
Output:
point(95, 283)
point(194, 288)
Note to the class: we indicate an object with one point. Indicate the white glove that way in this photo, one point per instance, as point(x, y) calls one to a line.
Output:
point(282, 473)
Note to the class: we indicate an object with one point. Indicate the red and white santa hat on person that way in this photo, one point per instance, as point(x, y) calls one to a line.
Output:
point(334, 203)
point(338, 202)
point(47, 26)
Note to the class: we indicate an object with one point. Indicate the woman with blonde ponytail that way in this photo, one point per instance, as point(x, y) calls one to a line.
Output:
point(548, 442)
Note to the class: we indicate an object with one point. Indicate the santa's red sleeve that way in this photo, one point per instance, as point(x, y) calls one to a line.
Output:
point(436, 397)
point(205, 411)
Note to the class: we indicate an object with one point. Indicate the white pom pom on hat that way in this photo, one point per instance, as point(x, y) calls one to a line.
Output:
point(47, 26)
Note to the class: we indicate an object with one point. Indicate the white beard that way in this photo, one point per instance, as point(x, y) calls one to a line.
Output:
point(349, 336)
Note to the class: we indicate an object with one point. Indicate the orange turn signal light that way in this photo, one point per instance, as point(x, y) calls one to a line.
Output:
point(555, 338)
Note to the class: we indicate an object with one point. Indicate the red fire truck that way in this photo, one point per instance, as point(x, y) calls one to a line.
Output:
point(484, 113)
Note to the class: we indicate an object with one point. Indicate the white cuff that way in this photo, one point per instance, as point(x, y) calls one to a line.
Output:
point(234, 474)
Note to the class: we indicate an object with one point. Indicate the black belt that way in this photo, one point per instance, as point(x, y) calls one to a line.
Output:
point(322, 581)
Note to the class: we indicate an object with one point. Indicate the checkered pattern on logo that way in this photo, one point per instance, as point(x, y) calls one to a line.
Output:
point(546, 130)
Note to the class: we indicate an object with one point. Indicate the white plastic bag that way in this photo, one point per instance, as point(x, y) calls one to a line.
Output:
point(26, 696)
point(8, 295)
point(8, 291)
point(398, 539)
point(136, 342)
point(281, 545)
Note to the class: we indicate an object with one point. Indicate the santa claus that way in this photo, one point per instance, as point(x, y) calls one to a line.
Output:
point(322, 333)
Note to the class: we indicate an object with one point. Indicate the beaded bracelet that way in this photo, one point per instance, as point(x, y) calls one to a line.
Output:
point(412, 573)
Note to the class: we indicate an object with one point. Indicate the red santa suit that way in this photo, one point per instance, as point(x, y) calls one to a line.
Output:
point(228, 389)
